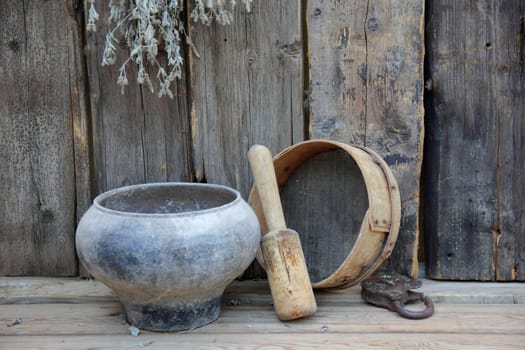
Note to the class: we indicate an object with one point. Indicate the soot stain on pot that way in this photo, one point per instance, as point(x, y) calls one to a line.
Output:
point(127, 262)
point(181, 317)
point(120, 262)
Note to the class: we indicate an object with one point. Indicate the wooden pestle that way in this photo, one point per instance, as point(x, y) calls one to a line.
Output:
point(288, 277)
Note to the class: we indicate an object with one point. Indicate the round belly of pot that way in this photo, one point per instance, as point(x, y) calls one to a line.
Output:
point(168, 250)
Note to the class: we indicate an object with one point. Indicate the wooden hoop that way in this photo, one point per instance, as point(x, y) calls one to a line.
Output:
point(380, 225)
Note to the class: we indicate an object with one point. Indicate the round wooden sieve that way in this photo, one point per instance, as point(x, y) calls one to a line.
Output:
point(379, 222)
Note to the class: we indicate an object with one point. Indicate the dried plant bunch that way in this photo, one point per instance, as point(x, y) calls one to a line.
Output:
point(147, 25)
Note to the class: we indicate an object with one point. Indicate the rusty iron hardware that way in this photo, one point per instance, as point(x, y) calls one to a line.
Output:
point(392, 291)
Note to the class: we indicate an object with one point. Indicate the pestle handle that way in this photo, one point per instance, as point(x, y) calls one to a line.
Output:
point(261, 162)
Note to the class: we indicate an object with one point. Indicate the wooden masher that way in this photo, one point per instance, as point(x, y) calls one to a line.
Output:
point(288, 277)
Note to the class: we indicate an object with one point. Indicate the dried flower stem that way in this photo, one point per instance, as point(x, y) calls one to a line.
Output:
point(146, 25)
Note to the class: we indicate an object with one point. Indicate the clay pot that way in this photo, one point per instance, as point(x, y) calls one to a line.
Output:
point(168, 250)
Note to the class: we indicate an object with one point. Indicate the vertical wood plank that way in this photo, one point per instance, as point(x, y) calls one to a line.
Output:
point(508, 60)
point(337, 53)
point(366, 86)
point(137, 136)
point(246, 88)
point(460, 178)
point(474, 163)
point(40, 101)
point(80, 115)
point(395, 112)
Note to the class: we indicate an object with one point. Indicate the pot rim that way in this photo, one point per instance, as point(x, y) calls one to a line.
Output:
point(99, 198)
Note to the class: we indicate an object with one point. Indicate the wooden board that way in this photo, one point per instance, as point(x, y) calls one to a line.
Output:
point(385, 341)
point(38, 290)
point(76, 314)
point(366, 87)
point(42, 135)
point(137, 137)
point(508, 61)
point(105, 319)
point(81, 119)
point(247, 88)
point(474, 160)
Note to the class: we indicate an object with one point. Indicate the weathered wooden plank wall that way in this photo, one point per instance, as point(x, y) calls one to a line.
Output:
point(42, 130)
point(137, 137)
point(247, 88)
point(64, 139)
point(366, 87)
point(475, 161)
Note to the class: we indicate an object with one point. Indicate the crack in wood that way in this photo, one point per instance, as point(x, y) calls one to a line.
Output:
point(521, 41)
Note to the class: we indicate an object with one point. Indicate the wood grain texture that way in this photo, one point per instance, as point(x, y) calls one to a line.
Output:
point(271, 341)
point(337, 53)
point(507, 61)
point(42, 110)
point(82, 136)
point(137, 137)
point(105, 319)
point(42, 290)
point(84, 314)
point(366, 87)
point(81, 121)
point(247, 88)
point(474, 160)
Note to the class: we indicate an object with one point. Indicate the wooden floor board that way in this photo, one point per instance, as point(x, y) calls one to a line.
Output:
point(82, 314)
point(80, 319)
point(326, 340)
point(19, 290)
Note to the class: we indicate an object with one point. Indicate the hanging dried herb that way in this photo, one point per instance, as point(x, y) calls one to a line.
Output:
point(147, 25)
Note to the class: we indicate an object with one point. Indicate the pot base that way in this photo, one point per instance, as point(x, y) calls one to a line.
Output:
point(177, 316)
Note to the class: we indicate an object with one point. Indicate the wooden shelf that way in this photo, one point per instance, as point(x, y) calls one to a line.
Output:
point(58, 313)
